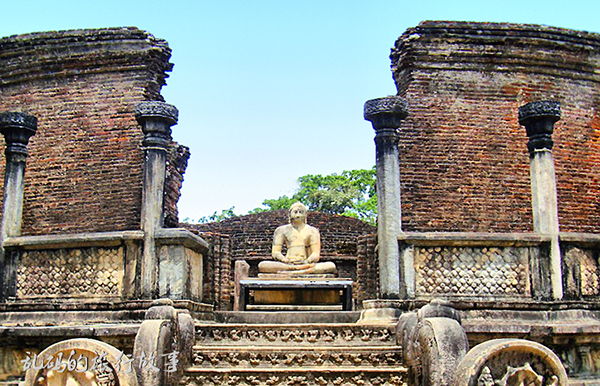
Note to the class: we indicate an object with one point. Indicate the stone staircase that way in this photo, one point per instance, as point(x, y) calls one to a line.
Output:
point(304, 353)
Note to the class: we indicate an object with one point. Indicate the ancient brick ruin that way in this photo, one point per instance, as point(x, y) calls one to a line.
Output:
point(463, 159)
point(85, 163)
point(483, 269)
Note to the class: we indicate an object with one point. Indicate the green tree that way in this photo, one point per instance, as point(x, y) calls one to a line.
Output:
point(351, 193)
point(225, 214)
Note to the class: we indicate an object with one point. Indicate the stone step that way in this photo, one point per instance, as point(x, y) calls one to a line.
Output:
point(300, 335)
point(287, 317)
point(319, 376)
point(286, 357)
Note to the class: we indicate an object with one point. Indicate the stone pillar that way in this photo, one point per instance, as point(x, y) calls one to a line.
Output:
point(17, 128)
point(156, 119)
point(539, 118)
point(386, 115)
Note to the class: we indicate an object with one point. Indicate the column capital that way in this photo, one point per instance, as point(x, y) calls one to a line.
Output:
point(156, 119)
point(386, 113)
point(539, 118)
point(17, 128)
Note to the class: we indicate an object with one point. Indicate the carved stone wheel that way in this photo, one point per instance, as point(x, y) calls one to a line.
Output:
point(510, 362)
point(70, 362)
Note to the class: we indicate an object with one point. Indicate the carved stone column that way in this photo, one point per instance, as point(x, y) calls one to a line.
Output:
point(386, 115)
point(156, 119)
point(539, 118)
point(17, 128)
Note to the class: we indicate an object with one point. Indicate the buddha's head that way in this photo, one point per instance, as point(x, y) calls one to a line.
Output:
point(297, 212)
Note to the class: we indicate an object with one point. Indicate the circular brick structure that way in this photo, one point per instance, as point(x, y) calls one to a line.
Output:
point(464, 164)
point(84, 170)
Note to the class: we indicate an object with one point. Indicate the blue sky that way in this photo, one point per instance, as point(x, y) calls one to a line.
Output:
point(272, 90)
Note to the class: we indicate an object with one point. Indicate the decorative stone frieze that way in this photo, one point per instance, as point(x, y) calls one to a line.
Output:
point(281, 358)
point(469, 271)
point(68, 273)
point(299, 378)
point(299, 335)
point(581, 272)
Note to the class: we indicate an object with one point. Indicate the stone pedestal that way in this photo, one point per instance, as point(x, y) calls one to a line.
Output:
point(538, 119)
point(296, 293)
point(380, 312)
point(386, 115)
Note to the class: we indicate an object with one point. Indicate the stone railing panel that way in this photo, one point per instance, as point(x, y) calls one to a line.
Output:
point(472, 271)
point(103, 265)
point(582, 275)
point(89, 272)
point(475, 265)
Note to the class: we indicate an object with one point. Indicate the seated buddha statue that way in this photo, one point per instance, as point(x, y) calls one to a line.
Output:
point(303, 243)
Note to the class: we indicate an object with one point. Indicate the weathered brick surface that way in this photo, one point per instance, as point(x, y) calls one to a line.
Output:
point(218, 275)
point(177, 161)
point(367, 268)
point(463, 158)
point(84, 171)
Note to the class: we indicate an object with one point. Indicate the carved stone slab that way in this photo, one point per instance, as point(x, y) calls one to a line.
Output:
point(293, 358)
point(89, 272)
point(300, 335)
point(470, 271)
point(347, 377)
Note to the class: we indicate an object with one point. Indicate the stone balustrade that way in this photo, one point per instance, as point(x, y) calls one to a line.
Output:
point(489, 266)
point(105, 265)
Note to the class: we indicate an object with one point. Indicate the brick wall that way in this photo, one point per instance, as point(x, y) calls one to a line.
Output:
point(463, 159)
point(177, 161)
point(252, 235)
point(84, 171)
point(367, 269)
point(217, 269)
